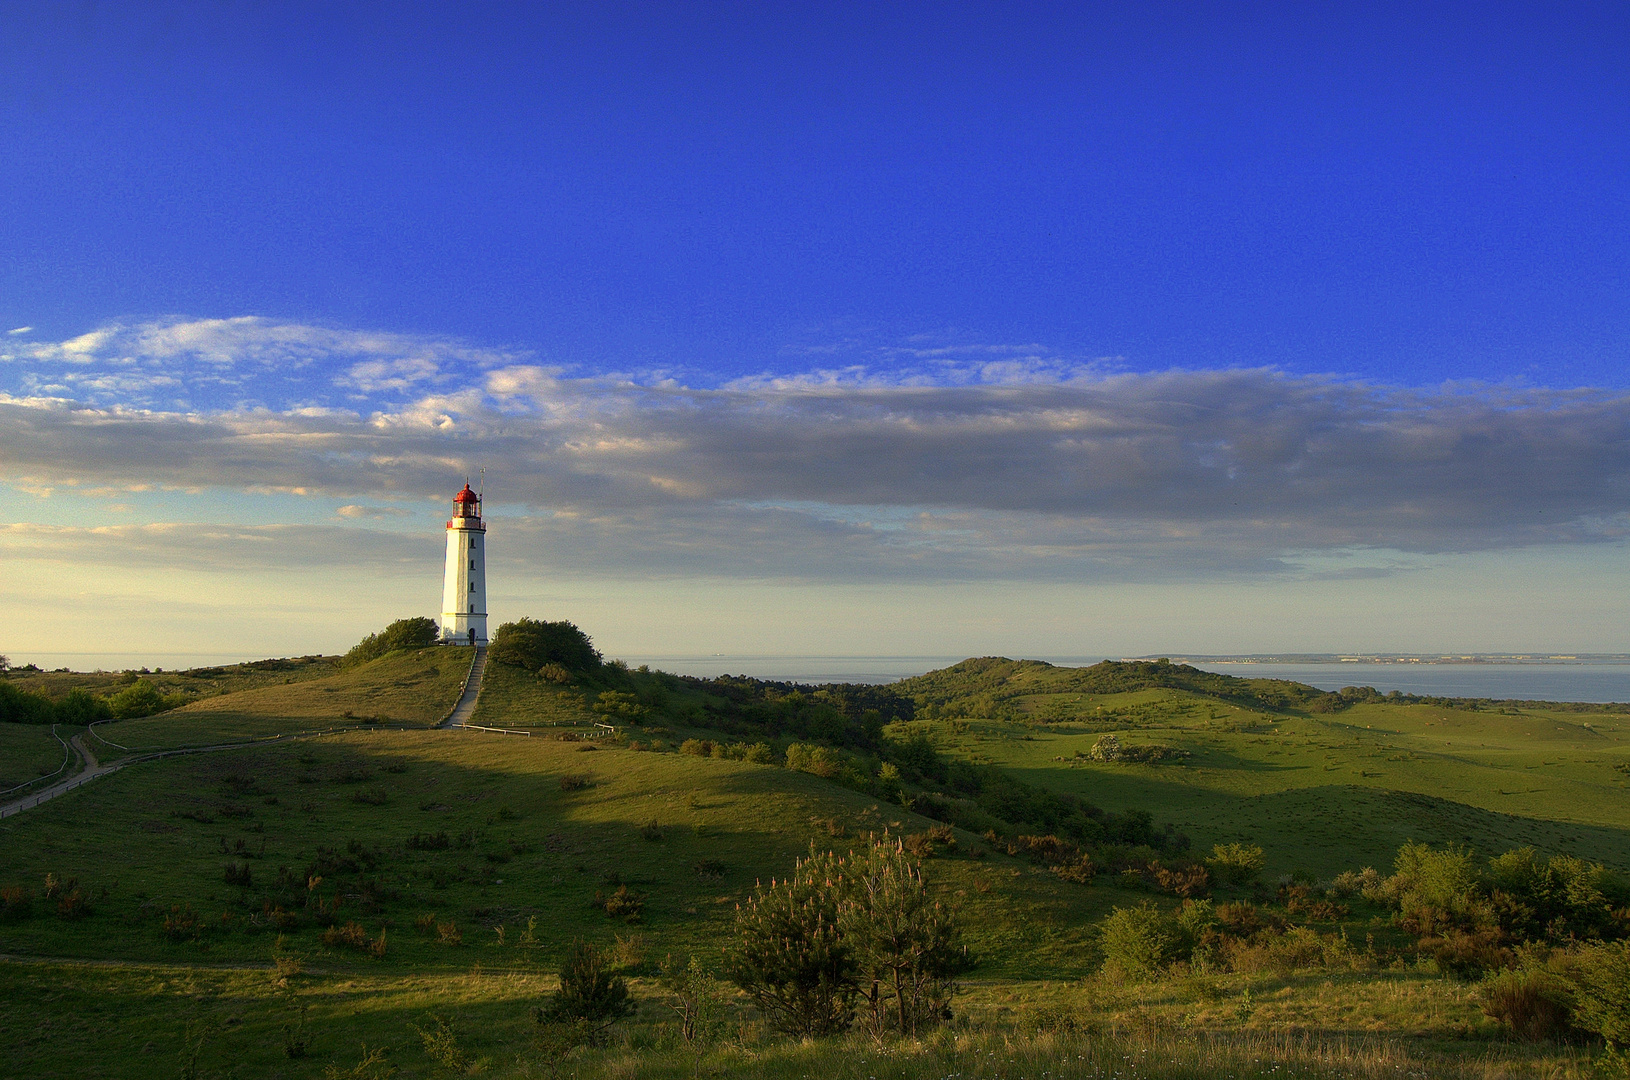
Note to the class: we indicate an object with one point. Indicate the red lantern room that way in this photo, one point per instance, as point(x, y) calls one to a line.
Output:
point(467, 504)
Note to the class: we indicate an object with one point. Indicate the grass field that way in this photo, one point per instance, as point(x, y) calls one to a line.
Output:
point(204, 682)
point(144, 1020)
point(518, 846)
point(1323, 793)
point(410, 688)
point(28, 751)
point(477, 859)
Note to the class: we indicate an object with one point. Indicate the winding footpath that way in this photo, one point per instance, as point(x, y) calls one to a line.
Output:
point(90, 768)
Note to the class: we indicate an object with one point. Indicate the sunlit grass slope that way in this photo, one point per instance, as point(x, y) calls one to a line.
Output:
point(414, 688)
point(204, 681)
point(1319, 791)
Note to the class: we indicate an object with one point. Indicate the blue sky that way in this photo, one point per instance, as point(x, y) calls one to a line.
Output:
point(954, 327)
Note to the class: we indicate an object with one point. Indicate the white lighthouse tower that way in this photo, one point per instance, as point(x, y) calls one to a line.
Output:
point(464, 587)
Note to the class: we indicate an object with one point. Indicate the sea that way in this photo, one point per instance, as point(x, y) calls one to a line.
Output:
point(1553, 681)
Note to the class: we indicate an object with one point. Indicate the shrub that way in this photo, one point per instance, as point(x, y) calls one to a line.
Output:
point(1466, 954)
point(15, 901)
point(759, 754)
point(1298, 948)
point(1183, 879)
point(1534, 1004)
point(823, 761)
point(18, 706)
point(1348, 883)
point(1138, 942)
point(574, 782)
point(81, 707)
point(370, 796)
point(1436, 890)
point(555, 673)
point(589, 993)
point(441, 1046)
point(448, 933)
point(693, 995)
point(142, 698)
point(414, 633)
point(923, 844)
point(698, 747)
point(531, 644)
point(623, 903)
point(182, 923)
point(710, 869)
point(620, 705)
point(1110, 748)
point(1602, 992)
point(353, 936)
point(237, 873)
point(1236, 864)
point(651, 831)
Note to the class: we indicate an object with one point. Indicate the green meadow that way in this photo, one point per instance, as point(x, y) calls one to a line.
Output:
point(1326, 793)
point(209, 884)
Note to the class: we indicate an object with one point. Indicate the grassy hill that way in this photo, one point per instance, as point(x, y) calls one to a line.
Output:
point(206, 882)
point(27, 751)
point(1321, 791)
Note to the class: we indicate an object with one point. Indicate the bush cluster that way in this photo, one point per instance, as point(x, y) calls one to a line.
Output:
point(534, 645)
point(1469, 915)
point(414, 633)
point(80, 707)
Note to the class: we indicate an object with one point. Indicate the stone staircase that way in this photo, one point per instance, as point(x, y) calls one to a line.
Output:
point(472, 689)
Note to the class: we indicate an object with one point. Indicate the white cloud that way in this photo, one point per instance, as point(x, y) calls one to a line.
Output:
point(353, 510)
point(21, 330)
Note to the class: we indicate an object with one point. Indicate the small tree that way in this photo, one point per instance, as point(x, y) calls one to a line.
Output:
point(905, 944)
point(693, 995)
point(791, 959)
point(590, 996)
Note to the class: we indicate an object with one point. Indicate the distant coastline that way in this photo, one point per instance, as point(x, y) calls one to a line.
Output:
point(1548, 659)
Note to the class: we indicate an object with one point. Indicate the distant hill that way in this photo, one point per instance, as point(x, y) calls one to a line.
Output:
point(991, 679)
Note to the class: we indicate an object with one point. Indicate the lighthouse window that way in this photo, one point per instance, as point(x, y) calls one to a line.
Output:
point(472, 564)
point(472, 586)
point(472, 609)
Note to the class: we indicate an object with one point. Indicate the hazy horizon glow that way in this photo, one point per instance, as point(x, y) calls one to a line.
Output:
point(898, 331)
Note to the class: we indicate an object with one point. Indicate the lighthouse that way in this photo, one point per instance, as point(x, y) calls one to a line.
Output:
point(464, 586)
